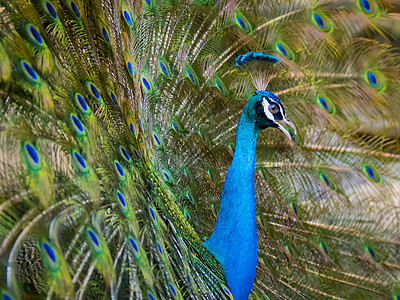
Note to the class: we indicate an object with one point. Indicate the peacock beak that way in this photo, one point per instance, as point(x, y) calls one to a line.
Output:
point(283, 129)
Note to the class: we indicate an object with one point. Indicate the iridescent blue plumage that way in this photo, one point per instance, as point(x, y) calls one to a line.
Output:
point(255, 56)
point(234, 239)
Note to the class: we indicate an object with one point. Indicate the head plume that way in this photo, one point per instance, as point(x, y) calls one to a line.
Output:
point(273, 112)
point(259, 72)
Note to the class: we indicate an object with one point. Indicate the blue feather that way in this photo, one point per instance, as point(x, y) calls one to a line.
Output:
point(236, 223)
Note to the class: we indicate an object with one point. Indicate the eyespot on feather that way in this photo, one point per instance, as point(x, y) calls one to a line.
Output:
point(74, 8)
point(227, 292)
point(121, 199)
point(323, 248)
point(191, 74)
point(122, 151)
point(322, 21)
point(369, 7)
point(77, 125)
point(372, 172)
point(6, 296)
point(375, 79)
point(134, 245)
point(49, 255)
point(220, 86)
point(49, 9)
point(31, 156)
point(34, 34)
point(120, 171)
point(326, 104)
point(92, 89)
point(127, 15)
point(147, 83)
point(80, 102)
point(29, 72)
point(327, 180)
point(284, 50)
point(129, 65)
point(172, 289)
point(114, 98)
point(79, 162)
point(190, 197)
point(93, 240)
point(156, 139)
point(167, 176)
point(164, 67)
point(242, 22)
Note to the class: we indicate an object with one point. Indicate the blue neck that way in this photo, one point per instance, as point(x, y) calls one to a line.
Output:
point(234, 239)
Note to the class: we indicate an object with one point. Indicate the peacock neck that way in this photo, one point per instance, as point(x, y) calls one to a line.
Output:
point(234, 239)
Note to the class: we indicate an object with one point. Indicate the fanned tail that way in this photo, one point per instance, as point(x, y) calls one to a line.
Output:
point(117, 129)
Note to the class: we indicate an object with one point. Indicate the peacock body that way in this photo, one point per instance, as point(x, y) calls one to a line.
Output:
point(128, 141)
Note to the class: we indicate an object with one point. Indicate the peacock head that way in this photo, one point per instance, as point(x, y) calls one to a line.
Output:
point(267, 111)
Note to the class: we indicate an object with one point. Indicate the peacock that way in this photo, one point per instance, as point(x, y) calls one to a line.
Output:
point(199, 149)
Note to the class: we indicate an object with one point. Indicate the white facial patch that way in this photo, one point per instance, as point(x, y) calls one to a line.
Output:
point(281, 110)
point(266, 105)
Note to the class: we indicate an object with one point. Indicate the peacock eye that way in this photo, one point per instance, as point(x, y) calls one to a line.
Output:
point(273, 108)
